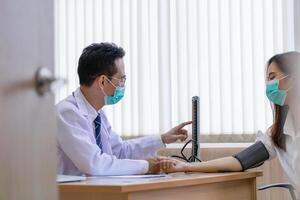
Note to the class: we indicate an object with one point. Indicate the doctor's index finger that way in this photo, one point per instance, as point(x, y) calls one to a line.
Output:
point(183, 124)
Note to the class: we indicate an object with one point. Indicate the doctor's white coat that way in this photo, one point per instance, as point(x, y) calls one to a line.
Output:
point(78, 153)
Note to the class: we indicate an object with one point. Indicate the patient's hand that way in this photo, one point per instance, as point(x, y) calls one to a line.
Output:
point(166, 165)
point(154, 165)
point(170, 165)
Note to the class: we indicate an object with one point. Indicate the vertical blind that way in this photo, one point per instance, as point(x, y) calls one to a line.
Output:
point(175, 49)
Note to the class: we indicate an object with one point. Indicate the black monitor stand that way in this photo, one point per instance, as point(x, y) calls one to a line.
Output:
point(195, 154)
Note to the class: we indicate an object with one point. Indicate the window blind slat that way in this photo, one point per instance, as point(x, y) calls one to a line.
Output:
point(215, 49)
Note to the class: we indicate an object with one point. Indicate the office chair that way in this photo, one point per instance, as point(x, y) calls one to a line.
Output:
point(282, 185)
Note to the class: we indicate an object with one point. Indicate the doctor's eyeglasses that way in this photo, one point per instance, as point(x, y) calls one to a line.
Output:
point(122, 80)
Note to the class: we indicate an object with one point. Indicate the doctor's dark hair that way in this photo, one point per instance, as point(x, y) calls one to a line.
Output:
point(98, 59)
point(289, 64)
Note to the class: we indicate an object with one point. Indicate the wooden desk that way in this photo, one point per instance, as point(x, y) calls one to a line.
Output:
point(179, 186)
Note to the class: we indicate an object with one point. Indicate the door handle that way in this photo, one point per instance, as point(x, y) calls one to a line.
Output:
point(46, 82)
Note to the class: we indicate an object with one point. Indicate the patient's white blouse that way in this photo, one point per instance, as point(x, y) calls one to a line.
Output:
point(290, 158)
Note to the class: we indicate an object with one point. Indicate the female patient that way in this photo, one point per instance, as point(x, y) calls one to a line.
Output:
point(282, 139)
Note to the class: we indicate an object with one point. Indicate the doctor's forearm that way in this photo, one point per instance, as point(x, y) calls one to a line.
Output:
point(226, 164)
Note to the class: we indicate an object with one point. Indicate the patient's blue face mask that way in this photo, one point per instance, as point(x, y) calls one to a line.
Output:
point(116, 97)
point(273, 92)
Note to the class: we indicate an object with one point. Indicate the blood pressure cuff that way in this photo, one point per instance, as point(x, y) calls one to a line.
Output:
point(253, 156)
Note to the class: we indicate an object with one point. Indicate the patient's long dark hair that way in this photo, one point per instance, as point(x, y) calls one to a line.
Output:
point(289, 64)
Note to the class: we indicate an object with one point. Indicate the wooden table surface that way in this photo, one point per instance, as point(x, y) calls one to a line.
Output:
point(196, 184)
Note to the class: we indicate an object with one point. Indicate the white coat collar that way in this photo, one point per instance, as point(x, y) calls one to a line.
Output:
point(84, 106)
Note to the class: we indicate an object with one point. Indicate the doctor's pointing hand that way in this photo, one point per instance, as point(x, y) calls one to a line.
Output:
point(176, 133)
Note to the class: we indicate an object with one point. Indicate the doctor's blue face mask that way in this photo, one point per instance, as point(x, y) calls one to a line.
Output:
point(273, 92)
point(117, 96)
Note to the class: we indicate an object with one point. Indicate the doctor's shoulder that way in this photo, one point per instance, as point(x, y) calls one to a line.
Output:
point(67, 106)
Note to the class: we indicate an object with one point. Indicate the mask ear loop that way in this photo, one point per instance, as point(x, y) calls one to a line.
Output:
point(110, 82)
point(283, 77)
point(286, 77)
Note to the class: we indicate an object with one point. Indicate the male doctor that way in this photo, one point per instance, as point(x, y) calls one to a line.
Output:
point(87, 145)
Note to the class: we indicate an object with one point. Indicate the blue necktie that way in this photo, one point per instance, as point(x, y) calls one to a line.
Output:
point(97, 122)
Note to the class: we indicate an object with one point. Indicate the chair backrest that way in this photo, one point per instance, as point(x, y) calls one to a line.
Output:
point(282, 185)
